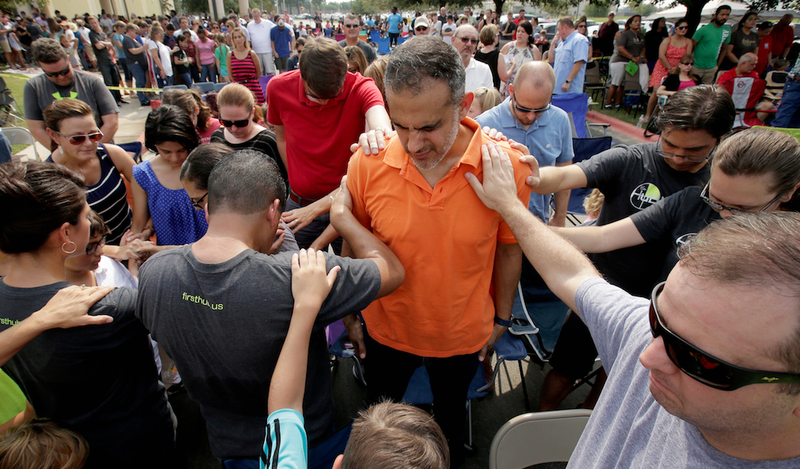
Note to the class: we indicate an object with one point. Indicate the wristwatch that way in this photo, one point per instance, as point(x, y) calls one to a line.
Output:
point(567, 81)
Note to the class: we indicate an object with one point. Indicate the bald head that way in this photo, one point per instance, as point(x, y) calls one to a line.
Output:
point(466, 28)
point(748, 57)
point(537, 75)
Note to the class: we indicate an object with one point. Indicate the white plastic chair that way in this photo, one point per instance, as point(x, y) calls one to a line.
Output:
point(537, 438)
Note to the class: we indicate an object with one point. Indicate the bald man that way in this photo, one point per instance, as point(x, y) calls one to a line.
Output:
point(465, 40)
point(745, 68)
point(527, 117)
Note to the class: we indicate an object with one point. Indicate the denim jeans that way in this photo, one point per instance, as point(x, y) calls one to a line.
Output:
point(788, 115)
point(187, 79)
point(141, 81)
point(207, 74)
point(162, 82)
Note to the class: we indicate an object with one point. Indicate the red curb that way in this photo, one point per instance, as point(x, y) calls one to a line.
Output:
point(622, 127)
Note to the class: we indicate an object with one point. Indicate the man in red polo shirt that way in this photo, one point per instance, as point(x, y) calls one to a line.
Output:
point(317, 112)
point(462, 263)
point(782, 37)
point(765, 49)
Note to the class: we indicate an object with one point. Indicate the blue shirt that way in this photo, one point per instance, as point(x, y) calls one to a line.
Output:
point(394, 23)
point(574, 49)
point(285, 444)
point(282, 40)
point(549, 139)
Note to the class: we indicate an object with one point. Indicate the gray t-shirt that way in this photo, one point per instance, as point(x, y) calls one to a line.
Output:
point(40, 92)
point(368, 51)
point(224, 325)
point(628, 428)
point(632, 42)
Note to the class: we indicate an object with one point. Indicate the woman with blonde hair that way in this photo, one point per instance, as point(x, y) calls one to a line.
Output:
point(191, 103)
point(243, 65)
point(484, 99)
point(236, 111)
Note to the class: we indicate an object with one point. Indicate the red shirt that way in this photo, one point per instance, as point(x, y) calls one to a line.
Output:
point(782, 37)
point(731, 74)
point(318, 137)
point(764, 48)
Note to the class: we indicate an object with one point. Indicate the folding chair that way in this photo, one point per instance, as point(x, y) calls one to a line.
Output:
point(537, 438)
point(634, 96)
point(374, 36)
point(8, 105)
point(775, 81)
point(509, 347)
point(383, 45)
point(203, 87)
point(583, 148)
point(219, 86)
point(21, 136)
point(746, 92)
point(593, 83)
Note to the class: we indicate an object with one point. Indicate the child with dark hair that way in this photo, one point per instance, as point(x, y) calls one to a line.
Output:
point(157, 190)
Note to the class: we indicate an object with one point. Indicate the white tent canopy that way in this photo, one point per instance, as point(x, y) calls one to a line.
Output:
point(738, 9)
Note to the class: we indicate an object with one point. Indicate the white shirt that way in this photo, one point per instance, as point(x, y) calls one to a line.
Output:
point(447, 28)
point(259, 36)
point(478, 74)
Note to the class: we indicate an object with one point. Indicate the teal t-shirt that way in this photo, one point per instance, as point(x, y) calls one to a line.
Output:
point(221, 53)
point(710, 40)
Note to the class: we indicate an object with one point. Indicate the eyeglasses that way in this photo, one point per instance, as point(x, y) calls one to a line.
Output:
point(62, 73)
point(682, 27)
point(466, 40)
point(735, 211)
point(703, 367)
point(78, 139)
point(689, 64)
point(525, 110)
point(240, 123)
point(351, 26)
point(692, 158)
point(581, 25)
point(92, 248)
point(198, 203)
point(421, 28)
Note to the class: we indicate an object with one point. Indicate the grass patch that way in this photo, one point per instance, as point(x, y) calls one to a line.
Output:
point(16, 83)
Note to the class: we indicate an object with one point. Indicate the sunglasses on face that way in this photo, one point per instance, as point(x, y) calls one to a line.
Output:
point(703, 367)
point(198, 203)
point(682, 27)
point(240, 123)
point(689, 64)
point(62, 73)
point(92, 248)
point(422, 28)
point(78, 139)
point(467, 40)
point(350, 26)
point(525, 110)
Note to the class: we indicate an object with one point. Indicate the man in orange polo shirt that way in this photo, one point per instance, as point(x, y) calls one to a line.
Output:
point(462, 262)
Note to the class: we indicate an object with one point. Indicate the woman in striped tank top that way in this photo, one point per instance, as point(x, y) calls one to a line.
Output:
point(243, 65)
point(71, 125)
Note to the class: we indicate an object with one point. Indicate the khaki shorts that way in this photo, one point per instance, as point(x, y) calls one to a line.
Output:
point(5, 46)
point(706, 75)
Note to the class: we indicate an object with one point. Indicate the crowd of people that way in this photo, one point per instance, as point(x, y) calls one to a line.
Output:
point(411, 198)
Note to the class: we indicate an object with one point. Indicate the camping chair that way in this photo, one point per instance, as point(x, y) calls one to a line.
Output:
point(634, 96)
point(583, 148)
point(536, 438)
point(383, 45)
point(203, 87)
point(775, 81)
point(21, 136)
point(593, 83)
point(509, 347)
point(746, 93)
point(8, 105)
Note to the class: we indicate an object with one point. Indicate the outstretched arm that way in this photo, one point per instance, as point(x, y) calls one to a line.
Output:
point(310, 286)
point(620, 234)
point(559, 263)
point(66, 309)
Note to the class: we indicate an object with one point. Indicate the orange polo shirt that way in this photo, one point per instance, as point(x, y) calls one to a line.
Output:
point(445, 238)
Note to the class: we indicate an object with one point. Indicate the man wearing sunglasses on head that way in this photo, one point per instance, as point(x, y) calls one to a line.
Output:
point(466, 43)
point(705, 373)
point(60, 81)
point(633, 178)
point(351, 30)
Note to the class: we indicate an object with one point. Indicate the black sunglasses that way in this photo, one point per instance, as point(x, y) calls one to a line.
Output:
point(682, 27)
point(525, 110)
point(350, 26)
point(198, 203)
point(240, 123)
point(703, 367)
point(465, 40)
point(62, 73)
point(78, 139)
point(92, 248)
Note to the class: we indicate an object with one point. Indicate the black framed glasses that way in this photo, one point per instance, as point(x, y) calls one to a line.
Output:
point(682, 27)
point(581, 26)
point(466, 40)
point(198, 203)
point(693, 158)
point(421, 28)
point(78, 139)
point(62, 73)
point(703, 367)
point(736, 211)
point(240, 123)
point(92, 248)
point(525, 110)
